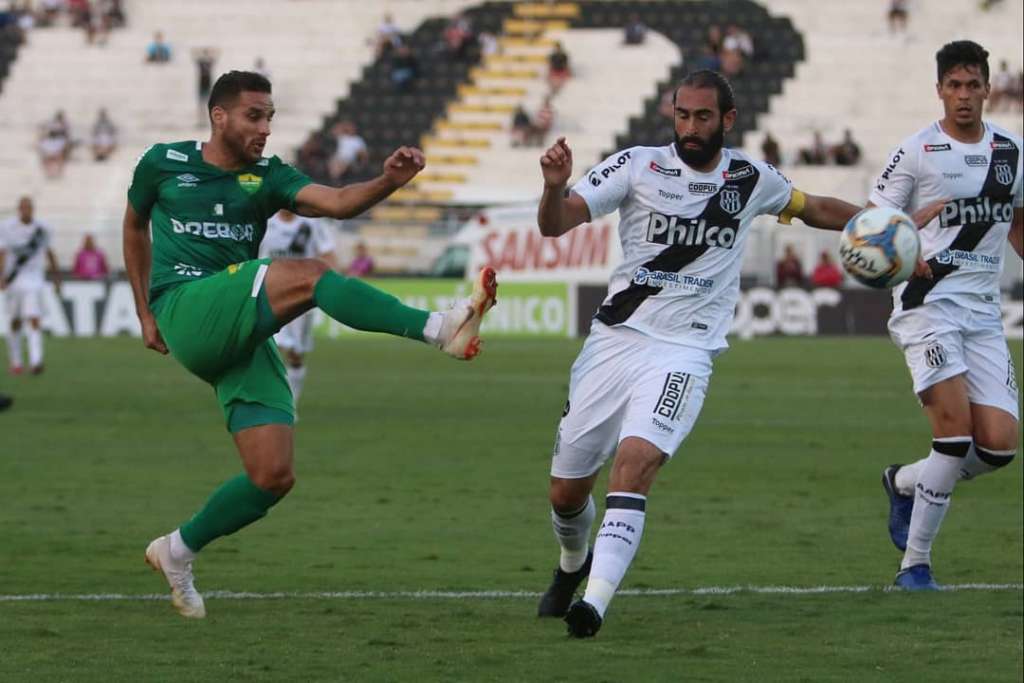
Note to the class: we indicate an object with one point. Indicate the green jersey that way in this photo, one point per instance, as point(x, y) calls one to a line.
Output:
point(205, 218)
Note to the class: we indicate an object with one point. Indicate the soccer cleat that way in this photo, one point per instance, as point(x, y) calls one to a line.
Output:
point(460, 331)
point(37, 369)
point(184, 596)
point(16, 369)
point(916, 578)
point(583, 620)
point(900, 508)
point(557, 598)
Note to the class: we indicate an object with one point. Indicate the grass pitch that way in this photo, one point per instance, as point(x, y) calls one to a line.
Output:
point(416, 473)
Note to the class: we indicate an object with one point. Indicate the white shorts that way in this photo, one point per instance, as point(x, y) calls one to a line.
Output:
point(23, 304)
point(623, 384)
point(941, 340)
point(297, 335)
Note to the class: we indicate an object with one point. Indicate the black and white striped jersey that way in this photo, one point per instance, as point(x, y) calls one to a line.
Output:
point(965, 243)
point(299, 237)
point(682, 235)
point(26, 246)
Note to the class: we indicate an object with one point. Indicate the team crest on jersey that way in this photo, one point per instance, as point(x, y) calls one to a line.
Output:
point(250, 182)
point(730, 200)
point(1004, 174)
point(935, 355)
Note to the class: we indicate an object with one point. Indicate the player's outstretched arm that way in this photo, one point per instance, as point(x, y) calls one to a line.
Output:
point(1016, 235)
point(825, 213)
point(138, 258)
point(558, 213)
point(350, 201)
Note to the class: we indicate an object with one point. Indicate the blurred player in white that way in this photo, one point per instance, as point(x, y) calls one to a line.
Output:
point(24, 255)
point(949, 322)
point(293, 236)
point(640, 380)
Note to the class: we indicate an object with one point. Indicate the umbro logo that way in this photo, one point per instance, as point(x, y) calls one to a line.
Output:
point(187, 180)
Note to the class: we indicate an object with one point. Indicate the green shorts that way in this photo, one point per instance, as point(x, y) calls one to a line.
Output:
point(220, 328)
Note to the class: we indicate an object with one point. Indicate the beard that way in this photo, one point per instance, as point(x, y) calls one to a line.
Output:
point(702, 156)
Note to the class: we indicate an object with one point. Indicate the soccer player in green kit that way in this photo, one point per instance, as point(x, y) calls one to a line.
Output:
point(202, 295)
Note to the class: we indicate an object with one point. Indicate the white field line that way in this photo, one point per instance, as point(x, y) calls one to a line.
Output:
point(487, 595)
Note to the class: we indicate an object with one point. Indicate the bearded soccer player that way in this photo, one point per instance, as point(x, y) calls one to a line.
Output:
point(640, 379)
point(202, 295)
point(949, 326)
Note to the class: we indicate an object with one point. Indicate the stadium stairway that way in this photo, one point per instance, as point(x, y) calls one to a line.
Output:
point(880, 86)
point(314, 50)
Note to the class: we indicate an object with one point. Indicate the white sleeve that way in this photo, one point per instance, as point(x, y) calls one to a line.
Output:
point(606, 186)
point(775, 189)
point(894, 187)
point(323, 238)
point(1018, 194)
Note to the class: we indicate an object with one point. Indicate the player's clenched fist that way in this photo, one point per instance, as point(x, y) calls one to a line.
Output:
point(403, 164)
point(556, 163)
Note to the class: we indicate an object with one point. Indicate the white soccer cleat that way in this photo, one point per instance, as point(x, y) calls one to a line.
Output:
point(184, 596)
point(460, 331)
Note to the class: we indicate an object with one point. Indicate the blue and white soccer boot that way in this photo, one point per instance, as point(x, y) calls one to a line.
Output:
point(916, 578)
point(900, 508)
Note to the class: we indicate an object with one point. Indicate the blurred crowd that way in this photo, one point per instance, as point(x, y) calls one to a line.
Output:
point(96, 18)
point(57, 142)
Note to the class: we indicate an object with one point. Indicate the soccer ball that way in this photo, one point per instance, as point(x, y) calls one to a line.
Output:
point(879, 247)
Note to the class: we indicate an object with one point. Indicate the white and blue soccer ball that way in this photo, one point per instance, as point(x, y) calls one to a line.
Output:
point(880, 247)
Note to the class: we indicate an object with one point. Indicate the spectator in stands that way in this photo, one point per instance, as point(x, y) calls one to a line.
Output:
point(405, 69)
point(458, 38)
point(738, 40)
point(898, 16)
point(541, 123)
point(770, 150)
point(847, 152)
point(731, 63)
point(635, 31)
point(206, 61)
point(707, 58)
point(789, 272)
point(1006, 89)
point(388, 36)
point(713, 40)
point(53, 153)
point(49, 11)
point(488, 44)
point(362, 264)
point(260, 67)
point(104, 136)
point(97, 26)
point(558, 68)
point(826, 273)
point(816, 154)
point(54, 130)
point(350, 153)
point(159, 51)
point(520, 126)
point(314, 155)
point(90, 261)
point(114, 13)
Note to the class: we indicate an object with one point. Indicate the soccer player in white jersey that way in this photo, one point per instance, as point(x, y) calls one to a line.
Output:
point(292, 236)
point(24, 255)
point(640, 380)
point(949, 324)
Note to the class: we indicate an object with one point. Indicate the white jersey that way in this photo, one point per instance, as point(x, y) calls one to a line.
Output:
point(965, 243)
point(682, 235)
point(300, 237)
point(26, 247)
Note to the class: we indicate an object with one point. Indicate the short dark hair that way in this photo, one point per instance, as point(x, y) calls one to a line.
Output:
point(706, 78)
point(232, 84)
point(961, 53)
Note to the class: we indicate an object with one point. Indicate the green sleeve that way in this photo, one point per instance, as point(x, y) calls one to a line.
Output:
point(285, 183)
point(145, 180)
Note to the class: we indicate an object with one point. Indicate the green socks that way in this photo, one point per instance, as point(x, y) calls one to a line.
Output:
point(354, 303)
point(237, 503)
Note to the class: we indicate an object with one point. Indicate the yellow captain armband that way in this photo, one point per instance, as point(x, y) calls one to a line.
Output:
point(795, 208)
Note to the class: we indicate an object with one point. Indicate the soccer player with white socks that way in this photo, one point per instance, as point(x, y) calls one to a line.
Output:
point(640, 380)
point(947, 318)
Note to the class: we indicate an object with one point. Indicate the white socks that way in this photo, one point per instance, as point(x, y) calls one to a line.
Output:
point(935, 481)
point(14, 348)
point(432, 330)
point(180, 551)
point(573, 534)
point(978, 461)
point(615, 547)
point(35, 346)
point(296, 378)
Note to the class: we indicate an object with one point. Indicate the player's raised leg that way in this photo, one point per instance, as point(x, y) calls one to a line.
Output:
point(636, 465)
point(295, 286)
point(266, 453)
